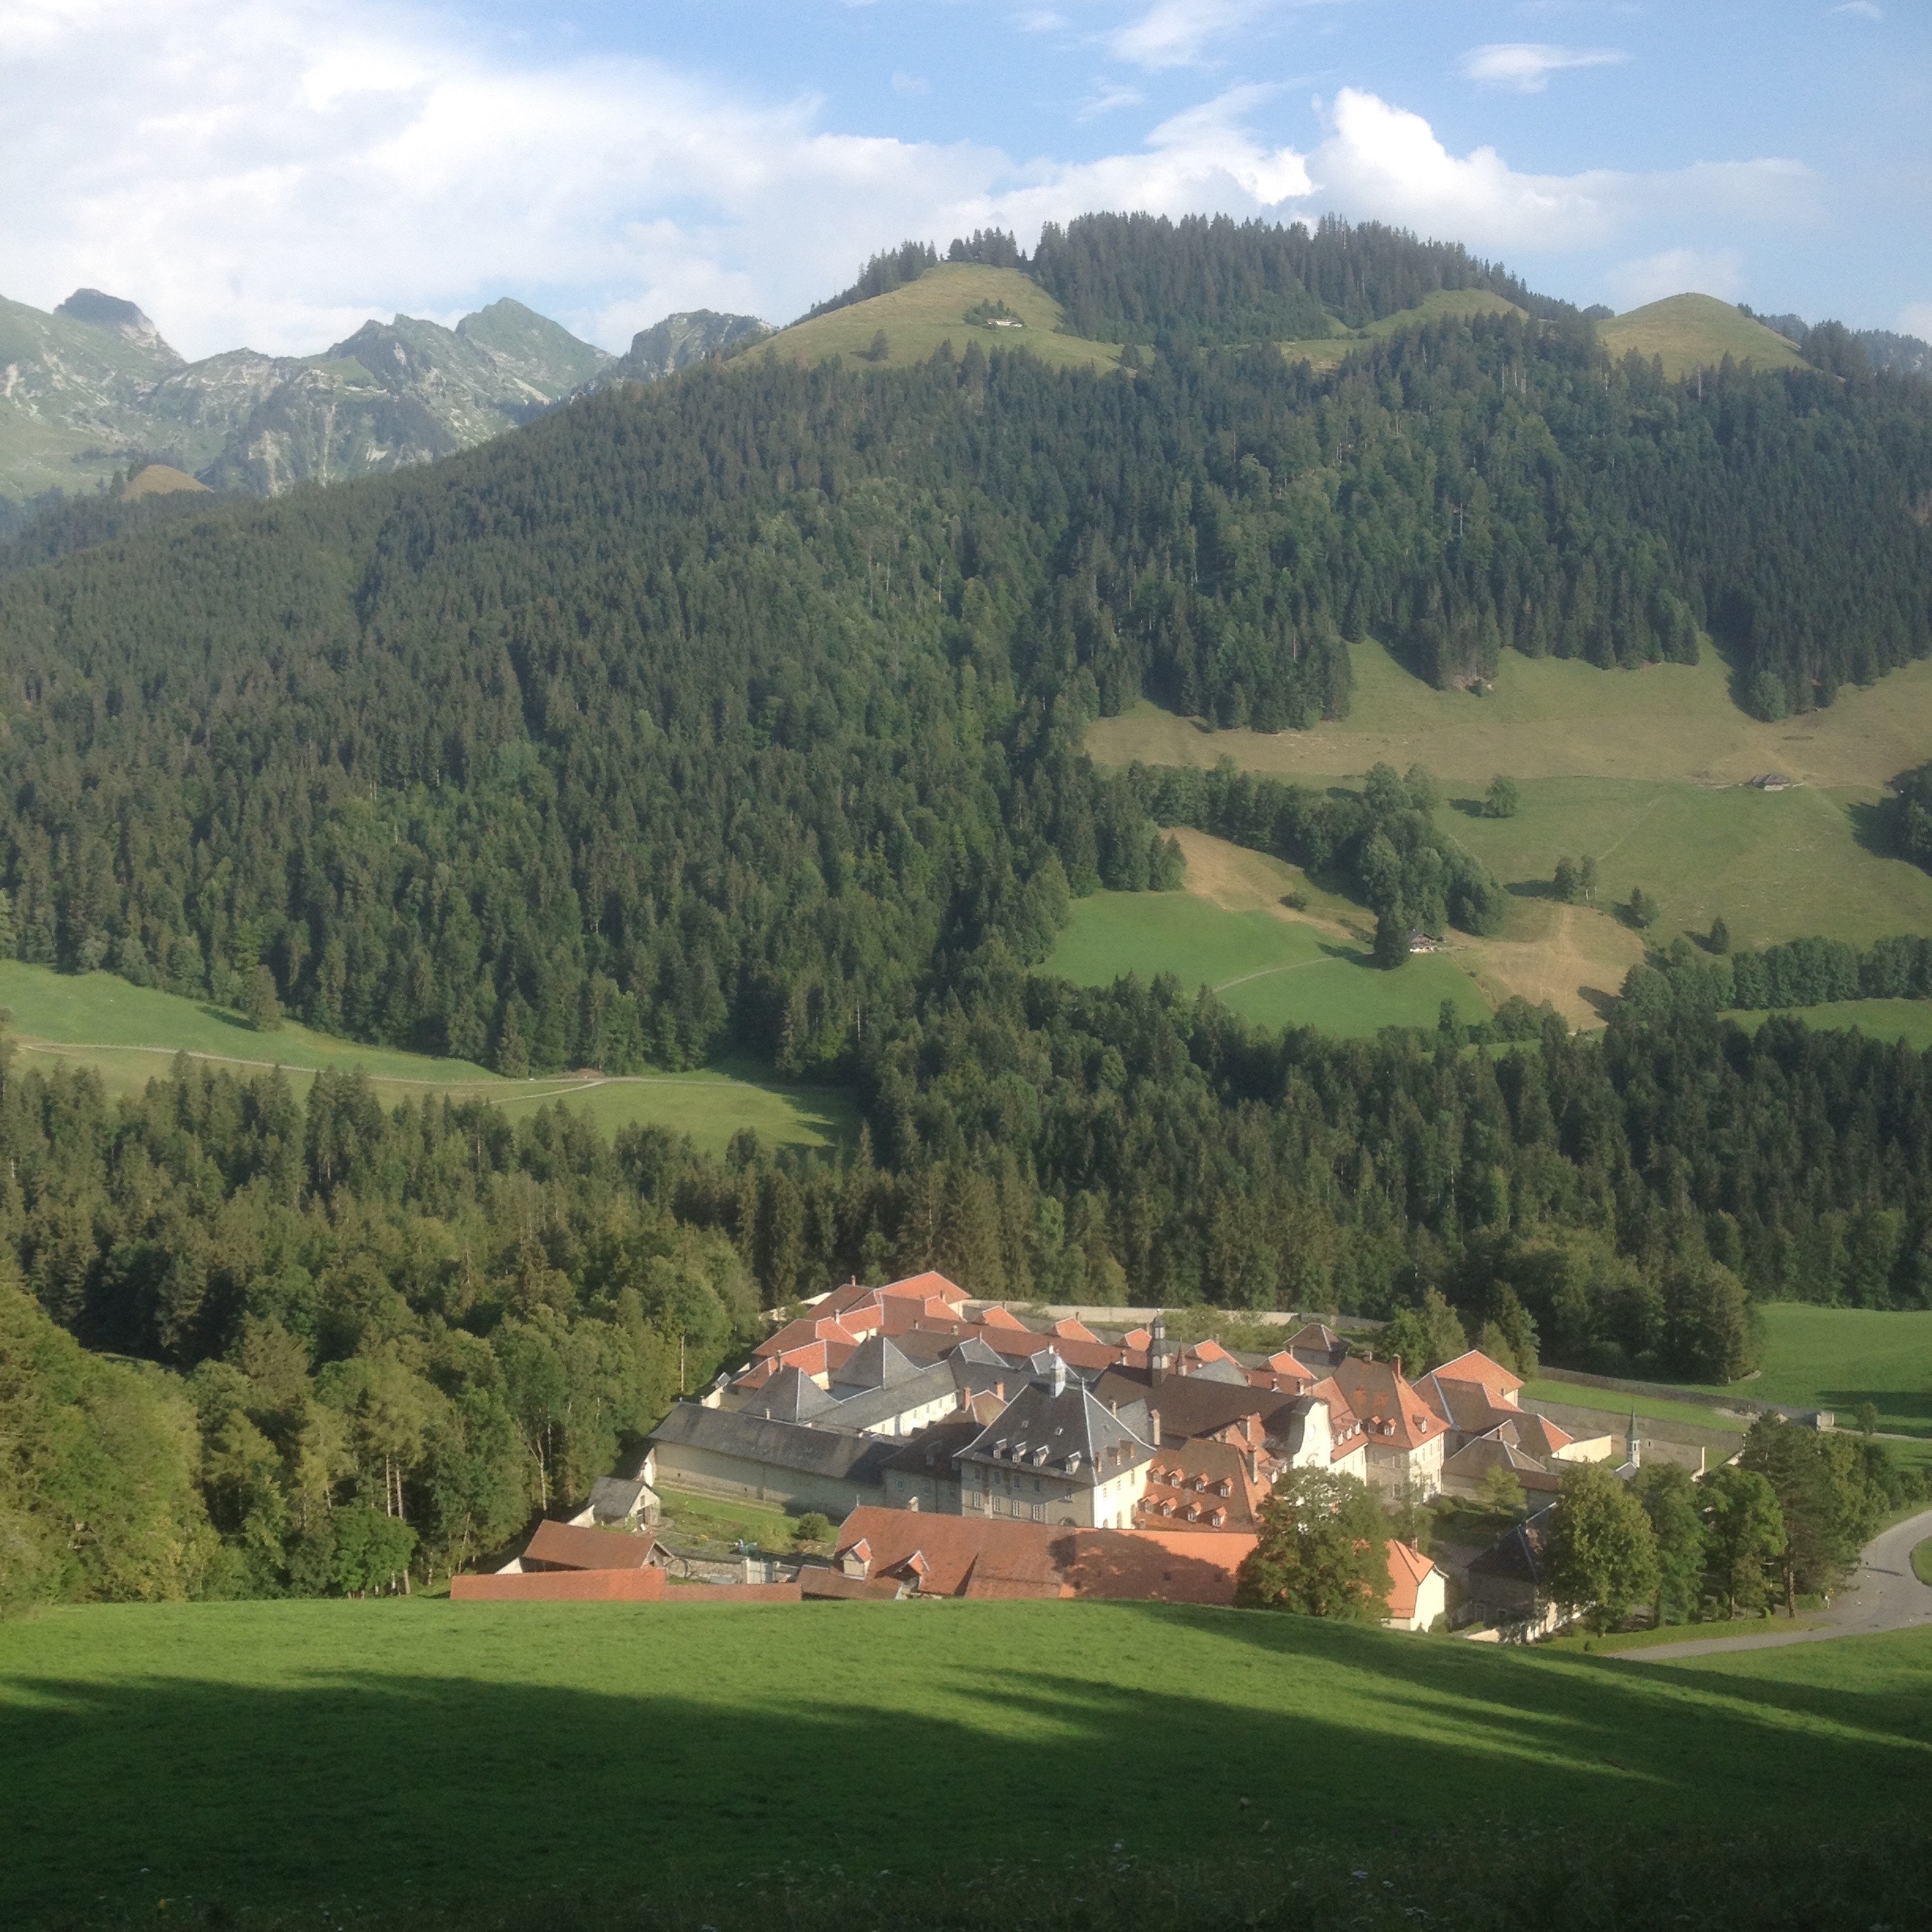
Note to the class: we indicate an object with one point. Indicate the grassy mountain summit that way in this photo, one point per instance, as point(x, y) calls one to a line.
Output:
point(1693, 331)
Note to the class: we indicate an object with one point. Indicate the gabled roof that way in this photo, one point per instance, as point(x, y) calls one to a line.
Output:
point(1201, 1486)
point(1474, 1460)
point(1192, 1405)
point(997, 1317)
point(1068, 1330)
point(568, 1547)
point(930, 1286)
point(617, 1499)
point(990, 1557)
point(1539, 1435)
point(1469, 1407)
point(867, 1409)
point(1387, 1406)
point(1061, 1428)
point(802, 1333)
point(1473, 1366)
point(1409, 1569)
point(805, 1448)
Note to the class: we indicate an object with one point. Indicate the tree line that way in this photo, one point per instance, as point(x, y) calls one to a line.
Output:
point(1796, 973)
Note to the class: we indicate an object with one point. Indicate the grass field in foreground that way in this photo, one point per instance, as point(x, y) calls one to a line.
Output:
point(325, 1755)
point(1836, 1358)
point(1275, 972)
point(919, 317)
point(1558, 718)
point(128, 1034)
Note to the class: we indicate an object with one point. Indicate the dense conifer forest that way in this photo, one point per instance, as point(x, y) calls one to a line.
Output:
point(746, 711)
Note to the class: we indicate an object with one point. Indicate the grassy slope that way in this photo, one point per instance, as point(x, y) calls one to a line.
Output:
point(1328, 352)
point(128, 1034)
point(163, 479)
point(1641, 770)
point(300, 1754)
point(1838, 1358)
point(1909, 1021)
point(1617, 1408)
point(921, 316)
point(1272, 971)
point(1692, 332)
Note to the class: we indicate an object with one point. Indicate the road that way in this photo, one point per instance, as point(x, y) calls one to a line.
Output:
point(1884, 1595)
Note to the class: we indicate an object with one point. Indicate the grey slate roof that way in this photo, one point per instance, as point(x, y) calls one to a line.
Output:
point(869, 1407)
point(617, 1499)
point(876, 1363)
point(1064, 1430)
point(1516, 1555)
point(790, 1396)
point(780, 1445)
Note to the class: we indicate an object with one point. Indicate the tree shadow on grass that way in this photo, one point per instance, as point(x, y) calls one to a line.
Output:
point(680, 1741)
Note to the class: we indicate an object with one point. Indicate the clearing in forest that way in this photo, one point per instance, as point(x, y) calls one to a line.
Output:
point(918, 317)
point(129, 1034)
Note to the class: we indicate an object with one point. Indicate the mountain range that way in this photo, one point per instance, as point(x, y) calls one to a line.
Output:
point(93, 387)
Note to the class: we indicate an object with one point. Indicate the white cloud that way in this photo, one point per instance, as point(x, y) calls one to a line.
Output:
point(1675, 272)
point(1386, 162)
point(275, 171)
point(1525, 66)
point(1863, 9)
point(1178, 33)
point(1107, 98)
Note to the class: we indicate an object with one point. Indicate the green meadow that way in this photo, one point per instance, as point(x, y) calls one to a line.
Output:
point(1616, 1408)
point(1328, 352)
point(917, 318)
point(873, 1763)
point(1836, 1358)
point(1694, 332)
point(1908, 1022)
point(128, 1034)
point(1644, 771)
point(1274, 971)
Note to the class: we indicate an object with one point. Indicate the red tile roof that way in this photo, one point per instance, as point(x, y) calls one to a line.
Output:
point(1473, 1366)
point(563, 1546)
point(1387, 1405)
point(1408, 1568)
point(977, 1556)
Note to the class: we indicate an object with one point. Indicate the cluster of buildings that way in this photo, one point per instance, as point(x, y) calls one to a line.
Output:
point(964, 1451)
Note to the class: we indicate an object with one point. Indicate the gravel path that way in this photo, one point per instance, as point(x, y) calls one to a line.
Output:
point(1883, 1595)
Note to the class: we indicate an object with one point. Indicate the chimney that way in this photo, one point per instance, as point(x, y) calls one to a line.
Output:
point(1254, 1467)
point(1059, 1373)
point(1153, 1426)
point(1395, 1363)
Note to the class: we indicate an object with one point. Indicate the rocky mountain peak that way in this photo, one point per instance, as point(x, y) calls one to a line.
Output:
point(123, 317)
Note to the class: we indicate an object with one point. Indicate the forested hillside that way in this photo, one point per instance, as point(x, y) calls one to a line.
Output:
point(746, 711)
point(733, 710)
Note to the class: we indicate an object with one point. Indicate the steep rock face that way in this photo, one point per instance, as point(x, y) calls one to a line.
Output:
point(93, 386)
point(680, 339)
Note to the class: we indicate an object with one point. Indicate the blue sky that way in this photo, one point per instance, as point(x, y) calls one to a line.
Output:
point(273, 171)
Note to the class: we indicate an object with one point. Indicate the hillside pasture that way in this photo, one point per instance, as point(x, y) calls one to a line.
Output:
point(1907, 1021)
point(1558, 718)
point(1328, 352)
point(1697, 331)
point(1276, 971)
point(423, 1757)
point(128, 1035)
point(1836, 1358)
point(918, 317)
